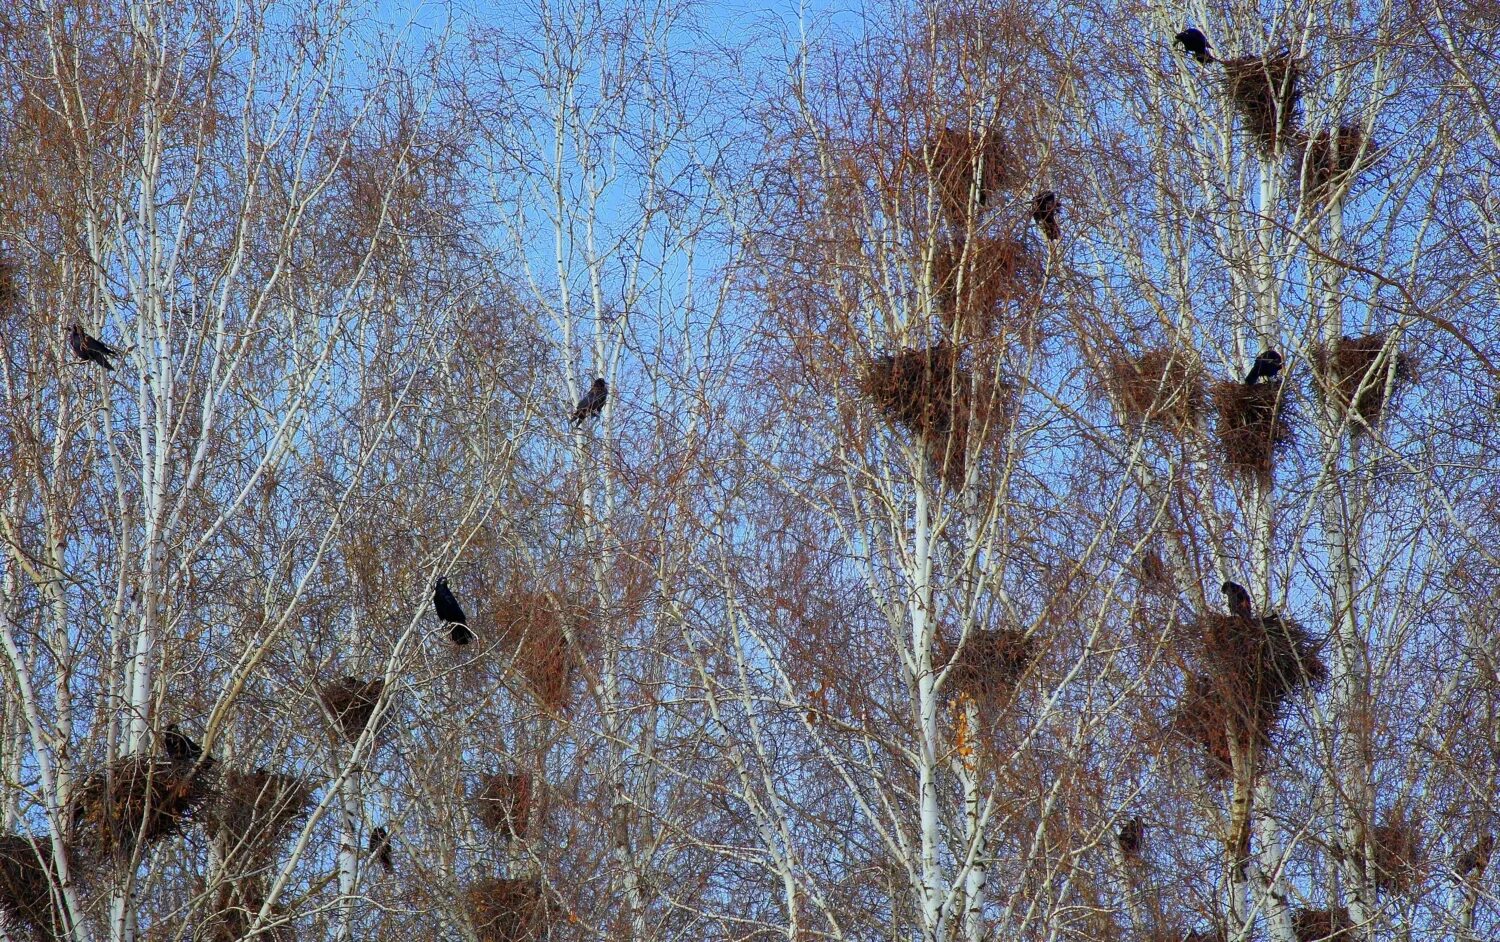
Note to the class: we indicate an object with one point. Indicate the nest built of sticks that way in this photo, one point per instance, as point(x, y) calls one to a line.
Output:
point(989, 664)
point(1357, 372)
point(26, 884)
point(138, 798)
point(351, 702)
point(508, 910)
point(256, 810)
point(1161, 385)
point(1328, 161)
point(1396, 845)
point(504, 803)
point(1265, 90)
point(531, 626)
point(10, 285)
point(968, 169)
point(1253, 425)
point(1256, 664)
point(1318, 925)
point(1203, 718)
point(972, 278)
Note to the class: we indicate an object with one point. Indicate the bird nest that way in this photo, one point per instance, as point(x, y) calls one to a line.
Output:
point(10, 285)
point(1253, 425)
point(26, 884)
point(508, 910)
point(533, 627)
point(968, 169)
point(915, 387)
point(1328, 161)
point(989, 664)
point(1265, 90)
point(980, 411)
point(1357, 372)
point(140, 798)
point(1255, 664)
point(257, 809)
point(504, 803)
point(972, 278)
point(1161, 385)
point(1202, 718)
point(351, 702)
point(1318, 925)
point(1396, 845)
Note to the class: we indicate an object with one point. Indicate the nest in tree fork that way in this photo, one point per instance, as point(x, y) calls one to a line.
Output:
point(1264, 90)
point(972, 278)
point(1356, 372)
point(508, 910)
point(532, 626)
point(1203, 718)
point(351, 702)
point(1317, 925)
point(26, 884)
point(1328, 161)
point(256, 811)
point(504, 803)
point(979, 415)
point(139, 797)
point(1396, 846)
point(1161, 385)
point(1255, 664)
point(988, 664)
point(968, 169)
point(1253, 425)
point(915, 387)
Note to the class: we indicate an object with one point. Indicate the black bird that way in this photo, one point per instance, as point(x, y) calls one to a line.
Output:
point(380, 849)
point(1044, 213)
point(1195, 44)
point(592, 402)
point(449, 612)
point(1131, 833)
point(88, 348)
point(1267, 365)
point(1239, 600)
point(179, 747)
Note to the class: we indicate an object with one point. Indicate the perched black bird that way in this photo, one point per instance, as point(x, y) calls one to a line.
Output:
point(1239, 600)
point(1195, 44)
point(380, 849)
point(592, 402)
point(179, 747)
point(1267, 365)
point(1131, 833)
point(1044, 213)
point(450, 613)
point(91, 348)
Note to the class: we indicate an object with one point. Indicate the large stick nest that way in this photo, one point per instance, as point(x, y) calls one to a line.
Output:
point(504, 803)
point(988, 665)
point(973, 278)
point(1318, 925)
point(1357, 371)
point(533, 626)
point(256, 811)
point(1253, 425)
point(981, 412)
point(508, 910)
point(26, 884)
point(1161, 385)
point(915, 387)
point(351, 702)
point(1396, 845)
point(1203, 719)
point(1265, 90)
point(1256, 664)
point(140, 797)
point(1328, 161)
point(968, 169)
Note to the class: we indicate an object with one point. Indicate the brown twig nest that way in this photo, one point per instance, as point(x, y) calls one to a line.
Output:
point(257, 809)
point(1328, 161)
point(915, 387)
point(26, 884)
point(1256, 663)
point(508, 910)
point(10, 285)
point(1152, 569)
point(1357, 372)
point(504, 803)
point(1265, 90)
point(351, 702)
point(968, 170)
point(1317, 925)
point(1396, 845)
point(1253, 425)
point(1161, 385)
point(980, 414)
point(138, 797)
point(988, 665)
point(972, 278)
point(1202, 718)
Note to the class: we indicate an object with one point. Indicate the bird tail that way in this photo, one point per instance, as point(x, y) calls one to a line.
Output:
point(1204, 58)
